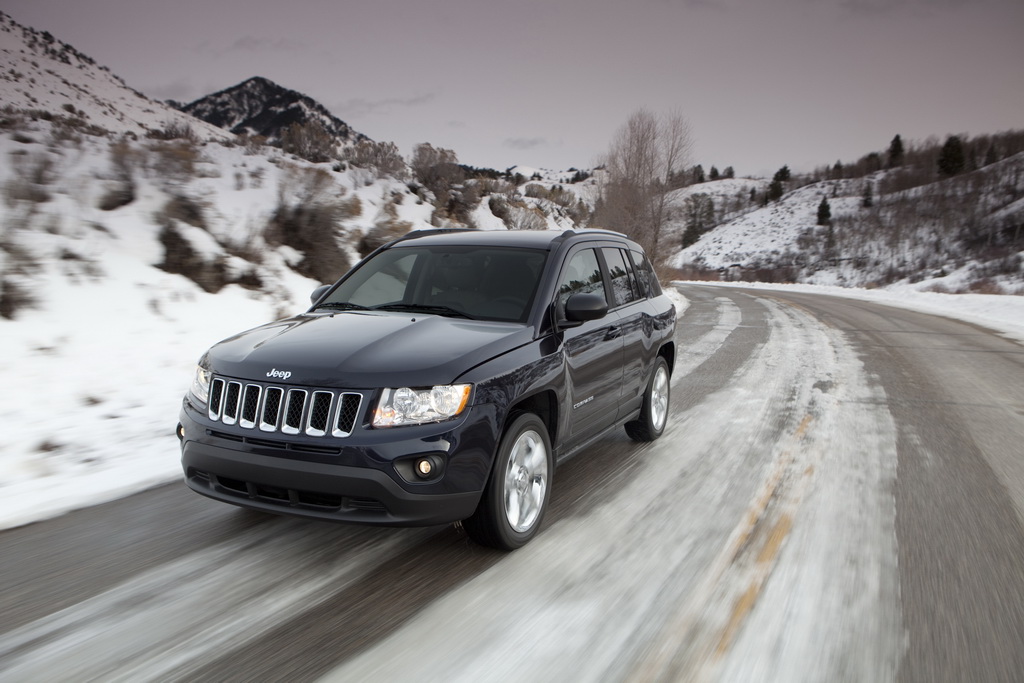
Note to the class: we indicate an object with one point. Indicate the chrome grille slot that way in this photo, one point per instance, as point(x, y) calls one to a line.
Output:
point(231, 403)
point(314, 412)
point(216, 398)
point(271, 413)
point(319, 413)
point(293, 409)
point(347, 412)
point(250, 405)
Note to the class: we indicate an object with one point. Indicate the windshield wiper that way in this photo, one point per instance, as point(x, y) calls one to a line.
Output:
point(425, 308)
point(342, 306)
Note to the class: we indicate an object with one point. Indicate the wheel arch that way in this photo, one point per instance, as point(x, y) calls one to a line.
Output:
point(544, 405)
point(668, 352)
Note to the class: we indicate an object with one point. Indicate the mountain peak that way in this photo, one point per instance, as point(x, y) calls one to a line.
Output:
point(259, 106)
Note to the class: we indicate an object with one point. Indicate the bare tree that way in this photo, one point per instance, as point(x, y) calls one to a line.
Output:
point(645, 153)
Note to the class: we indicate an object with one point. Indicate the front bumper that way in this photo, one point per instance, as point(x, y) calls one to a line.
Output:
point(358, 482)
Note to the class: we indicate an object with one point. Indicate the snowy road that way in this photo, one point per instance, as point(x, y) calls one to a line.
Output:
point(838, 497)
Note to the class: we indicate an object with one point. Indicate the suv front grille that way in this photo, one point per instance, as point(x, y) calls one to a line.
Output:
point(318, 412)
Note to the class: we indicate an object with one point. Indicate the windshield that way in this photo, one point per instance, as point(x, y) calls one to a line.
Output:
point(482, 283)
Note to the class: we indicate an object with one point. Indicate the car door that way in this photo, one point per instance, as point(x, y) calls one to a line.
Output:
point(593, 350)
point(629, 307)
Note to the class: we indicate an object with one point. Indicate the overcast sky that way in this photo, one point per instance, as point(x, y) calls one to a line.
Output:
point(548, 82)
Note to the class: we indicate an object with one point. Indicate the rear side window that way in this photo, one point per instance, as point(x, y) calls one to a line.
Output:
point(649, 284)
point(624, 286)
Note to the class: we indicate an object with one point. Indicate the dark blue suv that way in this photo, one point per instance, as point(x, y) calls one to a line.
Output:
point(441, 379)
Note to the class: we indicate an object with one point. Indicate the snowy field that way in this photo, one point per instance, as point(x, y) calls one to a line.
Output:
point(105, 382)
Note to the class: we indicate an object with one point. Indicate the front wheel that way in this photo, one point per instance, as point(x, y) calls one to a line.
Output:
point(654, 413)
point(513, 505)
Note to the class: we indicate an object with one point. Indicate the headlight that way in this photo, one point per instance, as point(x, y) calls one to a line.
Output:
point(407, 406)
point(201, 384)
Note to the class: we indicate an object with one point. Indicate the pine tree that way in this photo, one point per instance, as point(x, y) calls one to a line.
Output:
point(867, 200)
point(700, 216)
point(896, 152)
point(729, 172)
point(783, 174)
point(952, 158)
point(698, 174)
point(690, 236)
point(824, 212)
point(713, 173)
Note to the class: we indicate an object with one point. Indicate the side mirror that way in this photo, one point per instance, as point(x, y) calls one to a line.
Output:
point(582, 307)
point(318, 293)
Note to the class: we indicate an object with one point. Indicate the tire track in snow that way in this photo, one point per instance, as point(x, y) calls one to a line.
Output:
point(692, 354)
point(807, 588)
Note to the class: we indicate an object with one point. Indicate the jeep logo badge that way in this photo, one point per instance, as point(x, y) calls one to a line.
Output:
point(280, 374)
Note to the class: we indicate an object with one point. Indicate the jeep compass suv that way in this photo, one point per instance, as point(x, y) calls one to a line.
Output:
point(441, 379)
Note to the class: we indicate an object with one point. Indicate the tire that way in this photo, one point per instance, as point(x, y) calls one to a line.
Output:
point(516, 498)
point(654, 412)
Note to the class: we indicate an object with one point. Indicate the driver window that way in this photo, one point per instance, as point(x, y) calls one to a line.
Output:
point(582, 275)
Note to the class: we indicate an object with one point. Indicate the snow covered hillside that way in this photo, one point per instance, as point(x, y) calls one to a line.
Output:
point(957, 234)
point(43, 74)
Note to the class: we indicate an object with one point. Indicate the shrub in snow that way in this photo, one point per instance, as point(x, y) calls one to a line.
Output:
point(383, 158)
point(182, 208)
point(526, 218)
point(174, 162)
point(498, 206)
point(14, 297)
point(116, 196)
point(174, 130)
point(459, 205)
point(386, 228)
point(16, 267)
point(315, 230)
point(309, 141)
point(200, 263)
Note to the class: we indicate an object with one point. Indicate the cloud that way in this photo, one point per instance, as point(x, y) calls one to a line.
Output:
point(362, 107)
point(254, 44)
point(525, 143)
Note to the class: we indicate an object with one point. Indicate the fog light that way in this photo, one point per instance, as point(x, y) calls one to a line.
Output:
point(181, 432)
point(424, 467)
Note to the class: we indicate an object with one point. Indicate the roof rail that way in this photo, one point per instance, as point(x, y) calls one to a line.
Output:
point(413, 234)
point(600, 230)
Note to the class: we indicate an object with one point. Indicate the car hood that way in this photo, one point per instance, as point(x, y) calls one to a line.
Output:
point(362, 350)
